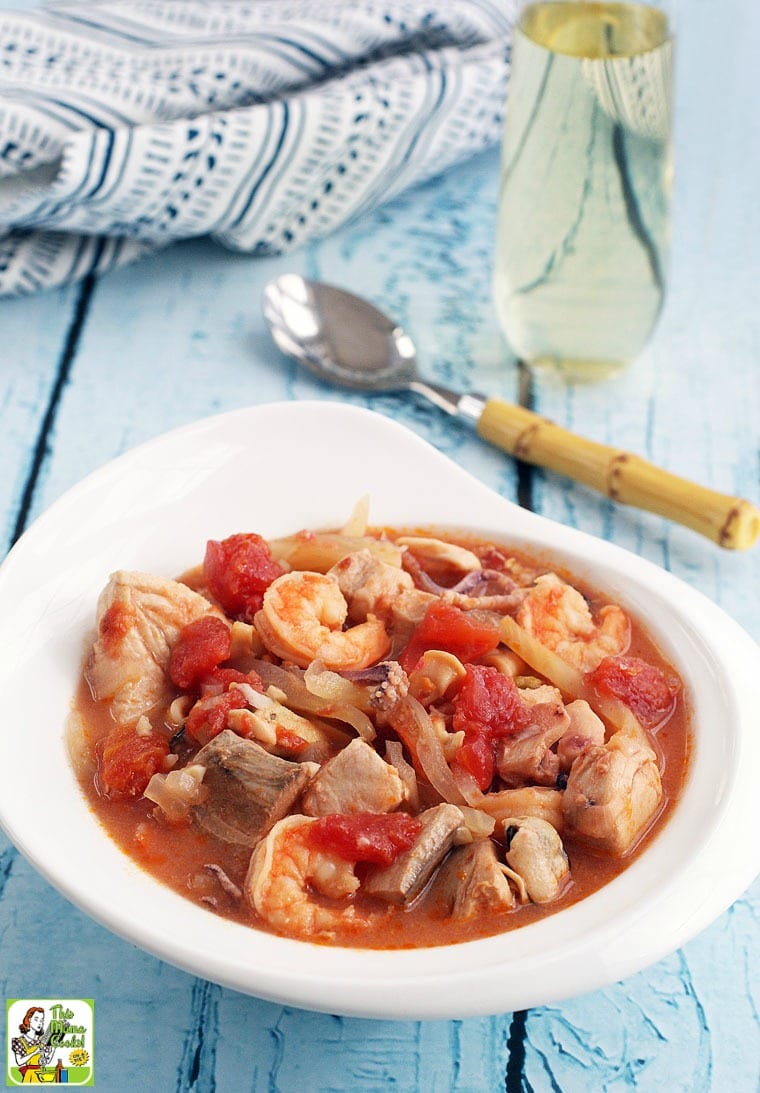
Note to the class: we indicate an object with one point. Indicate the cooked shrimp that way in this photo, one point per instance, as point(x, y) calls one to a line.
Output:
point(302, 617)
point(557, 615)
point(284, 867)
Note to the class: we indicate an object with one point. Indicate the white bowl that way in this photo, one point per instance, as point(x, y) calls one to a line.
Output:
point(275, 469)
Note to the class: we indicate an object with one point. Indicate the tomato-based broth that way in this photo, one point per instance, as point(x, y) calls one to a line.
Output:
point(377, 738)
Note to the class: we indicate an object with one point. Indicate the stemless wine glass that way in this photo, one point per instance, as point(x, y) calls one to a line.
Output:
point(584, 198)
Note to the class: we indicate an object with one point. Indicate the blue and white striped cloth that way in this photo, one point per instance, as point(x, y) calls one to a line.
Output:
point(126, 124)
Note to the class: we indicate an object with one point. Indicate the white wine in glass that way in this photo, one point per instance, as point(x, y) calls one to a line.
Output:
point(582, 235)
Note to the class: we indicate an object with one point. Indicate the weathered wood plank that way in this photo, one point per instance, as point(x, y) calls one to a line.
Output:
point(31, 361)
point(688, 1024)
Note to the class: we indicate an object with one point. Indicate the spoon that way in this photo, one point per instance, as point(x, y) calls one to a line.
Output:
point(347, 341)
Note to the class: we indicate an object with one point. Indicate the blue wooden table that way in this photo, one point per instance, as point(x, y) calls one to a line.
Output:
point(88, 371)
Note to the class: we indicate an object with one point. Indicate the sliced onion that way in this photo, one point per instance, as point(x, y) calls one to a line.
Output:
point(290, 682)
point(359, 518)
point(329, 685)
point(299, 697)
point(469, 788)
point(412, 723)
point(394, 753)
point(320, 551)
point(354, 717)
point(544, 661)
point(178, 791)
point(479, 824)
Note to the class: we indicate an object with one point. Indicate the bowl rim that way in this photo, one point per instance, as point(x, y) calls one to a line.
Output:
point(687, 876)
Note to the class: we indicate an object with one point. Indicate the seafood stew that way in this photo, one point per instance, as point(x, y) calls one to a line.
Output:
point(376, 738)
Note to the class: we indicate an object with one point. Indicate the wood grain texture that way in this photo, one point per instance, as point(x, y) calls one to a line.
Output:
point(690, 403)
point(30, 362)
point(181, 336)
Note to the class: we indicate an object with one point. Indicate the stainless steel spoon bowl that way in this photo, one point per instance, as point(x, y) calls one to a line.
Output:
point(347, 341)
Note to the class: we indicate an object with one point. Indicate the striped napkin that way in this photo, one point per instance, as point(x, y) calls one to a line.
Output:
point(127, 124)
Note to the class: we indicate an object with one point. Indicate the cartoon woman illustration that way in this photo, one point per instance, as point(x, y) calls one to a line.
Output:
point(30, 1048)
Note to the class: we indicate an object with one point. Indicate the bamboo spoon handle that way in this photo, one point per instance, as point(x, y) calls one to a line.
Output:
point(729, 521)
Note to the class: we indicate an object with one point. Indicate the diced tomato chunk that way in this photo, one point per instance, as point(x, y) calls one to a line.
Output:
point(238, 571)
point(476, 756)
point(219, 679)
point(365, 836)
point(447, 627)
point(202, 645)
point(127, 760)
point(489, 699)
point(486, 708)
point(290, 741)
point(647, 691)
point(208, 716)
